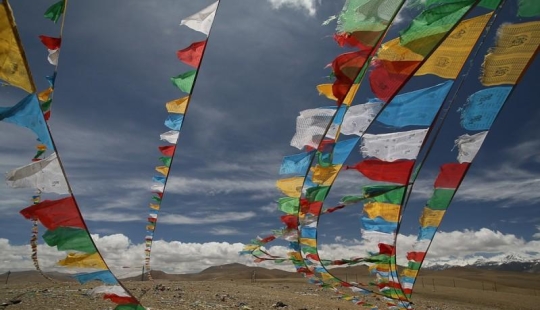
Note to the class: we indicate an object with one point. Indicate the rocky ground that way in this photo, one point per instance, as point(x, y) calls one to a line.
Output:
point(284, 294)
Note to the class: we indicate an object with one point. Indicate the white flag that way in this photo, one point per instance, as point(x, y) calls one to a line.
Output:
point(358, 118)
point(109, 289)
point(53, 56)
point(44, 175)
point(202, 21)
point(158, 188)
point(468, 146)
point(170, 136)
point(393, 146)
point(310, 127)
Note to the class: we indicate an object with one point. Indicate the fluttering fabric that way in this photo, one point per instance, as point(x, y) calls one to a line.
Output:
point(44, 175)
point(27, 113)
point(359, 117)
point(104, 276)
point(483, 107)
point(516, 45)
point(55, 213)
point(55, 11)
point(192, 54)
point(468, 146)
point(416, 108)
point(202, 20)
point(448, 59)
point(13, 65)
point(528, 8)
point(311, 126)
point(393, 146)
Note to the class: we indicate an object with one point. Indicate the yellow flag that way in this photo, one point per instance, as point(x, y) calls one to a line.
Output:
point(326, 276)
point(154, 206)
point(251, 247)
point(291, 187)
point(178, 105)
point(409, 273)
point(523, 38)
point(326, 90)
point(388, 211)
point(393, 51)
point(308, 241)
point(515, 47)
point(448, 60)
point(504, 69)
point(431, 217)
point(76, 260)
point(325, 175)
point(163, 170)
point(45, 95)
point(295, 255)
point(13, 66)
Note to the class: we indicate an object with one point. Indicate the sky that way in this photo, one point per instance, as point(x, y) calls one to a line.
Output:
point(262, 63)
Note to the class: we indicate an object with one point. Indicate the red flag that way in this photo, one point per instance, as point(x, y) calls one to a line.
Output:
point(192, 54)
point(450, 175)
point(386, 83)
point(167, 150)
point(386, 249)
point(314, 257)
point(311, 208)
point(55, 213)
point(361, 39)
point(416, 256)
point(121, 300)
point(346, 68)
point(50, 42)
point(268, 239)
point(375, 169)
point(290, 220)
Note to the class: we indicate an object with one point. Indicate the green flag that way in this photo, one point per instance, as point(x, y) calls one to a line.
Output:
point(441, 199)
point(289, 205)
point(185, 81)
point(55, 11)
point(528, 8)
point(70, 238)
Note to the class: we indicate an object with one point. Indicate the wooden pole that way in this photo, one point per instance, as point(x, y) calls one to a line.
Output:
point(142, 274)
point(7, 278)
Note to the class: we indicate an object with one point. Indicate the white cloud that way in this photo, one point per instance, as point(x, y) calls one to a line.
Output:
point(270, 208)
point(222, 231)
point(537, 235)
point(308, 5)
point(206, 218)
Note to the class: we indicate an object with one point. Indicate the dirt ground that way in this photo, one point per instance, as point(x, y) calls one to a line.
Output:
point(242, 294)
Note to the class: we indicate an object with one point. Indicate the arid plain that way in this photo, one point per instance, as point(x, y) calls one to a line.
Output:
point(230, 287)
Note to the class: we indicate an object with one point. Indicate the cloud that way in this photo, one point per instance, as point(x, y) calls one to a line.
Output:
point(308, 5)
point(537, 235)
point(223, 231)
point(206, 218)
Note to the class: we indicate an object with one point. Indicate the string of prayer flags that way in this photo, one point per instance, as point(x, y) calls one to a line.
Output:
point(14, 68)
point(191, 56)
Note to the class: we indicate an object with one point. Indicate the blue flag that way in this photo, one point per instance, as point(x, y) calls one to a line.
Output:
point(27, 113)
point(174, 121)
point(483, 106)
point(417, 108)
point(296, 164)
point(104, 276)
point(342, 149)
point(426, 233)
point(378, 224)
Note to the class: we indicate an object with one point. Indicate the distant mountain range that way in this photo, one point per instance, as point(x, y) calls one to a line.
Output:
point(510, 262)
